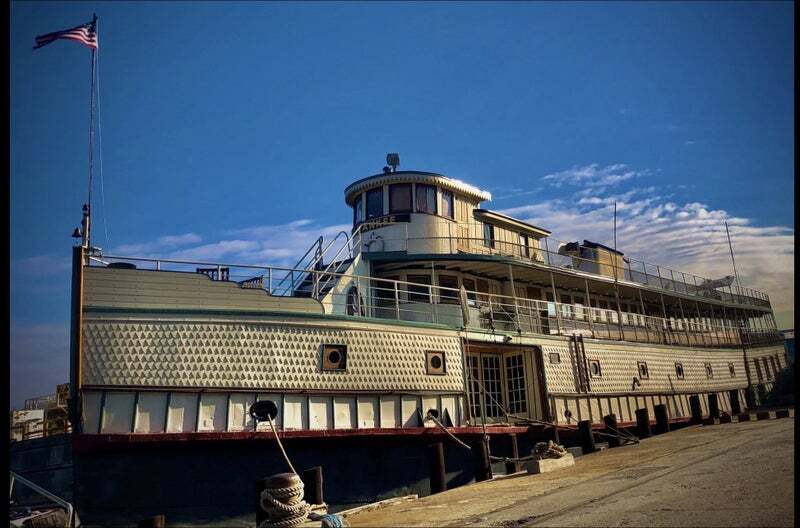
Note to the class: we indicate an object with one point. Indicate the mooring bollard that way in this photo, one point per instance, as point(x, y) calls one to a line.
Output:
point(736, 408)
point(312, 481)
point(438, 475)
point(642, 423)
point(662, 419)
point(513, 467)
point(157, 521)
point(483, 466)
point(585, 437)
point(612, 429)
point(713, 405)
point(697, 411)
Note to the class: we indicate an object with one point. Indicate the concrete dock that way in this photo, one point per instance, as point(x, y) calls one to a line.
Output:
point(734, 474)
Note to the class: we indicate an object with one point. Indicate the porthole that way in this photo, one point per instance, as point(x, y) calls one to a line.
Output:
point(334, 357)
point(555, 358)
point(594, 368)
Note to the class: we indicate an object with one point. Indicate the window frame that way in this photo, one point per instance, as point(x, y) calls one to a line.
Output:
point(488, 241)
point(415, 296)
point(680, 374)
point(646, 373)
point(447, 296)
point(593, 362)
point(524, 243)
point(358, 210)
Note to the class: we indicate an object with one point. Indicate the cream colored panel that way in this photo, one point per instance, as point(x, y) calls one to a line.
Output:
point(410, 416)
point(213, 411)
point(151, 412)
point(390, 409)
point(295, 412)
point(278, 420)
point(450, 404)
point(594, 407)
point(583, 409)
point(430, 402)
point(367, 412)
point(239, 412)
point(320, 412)
point(344, 412)
point(91, 411)
point(117, 412)
point(182, 413)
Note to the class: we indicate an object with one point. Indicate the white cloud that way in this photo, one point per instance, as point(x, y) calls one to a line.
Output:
point(689, 237)
point(160, 244)
point(593, 175)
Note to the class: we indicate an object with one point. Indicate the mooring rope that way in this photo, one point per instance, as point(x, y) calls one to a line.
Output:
point(284, 505)
point(451, 435)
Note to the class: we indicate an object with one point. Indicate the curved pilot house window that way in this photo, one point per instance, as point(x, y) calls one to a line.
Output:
point(375, 203)
point(358, 211)
point(425, 198)
point(448, 209)
point(400, 198)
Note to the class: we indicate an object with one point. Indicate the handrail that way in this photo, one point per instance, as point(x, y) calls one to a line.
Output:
point(650, 274)
point(38, 489)
point(401, 298)
point(317, 244)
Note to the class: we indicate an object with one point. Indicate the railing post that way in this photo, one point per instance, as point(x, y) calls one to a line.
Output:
point(589, 313)
point(158, 265)
point(555, 304)
point(660, 281)
point(269, 280)
point(396, 301)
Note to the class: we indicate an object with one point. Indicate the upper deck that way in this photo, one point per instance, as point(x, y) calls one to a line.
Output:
point(421, 213)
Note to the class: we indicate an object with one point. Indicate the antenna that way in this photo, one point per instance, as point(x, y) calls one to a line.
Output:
point(733, 260)
point(393, 160)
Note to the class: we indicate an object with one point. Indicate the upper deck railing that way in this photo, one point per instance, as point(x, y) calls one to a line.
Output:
point(459, 238)
point(367, 297)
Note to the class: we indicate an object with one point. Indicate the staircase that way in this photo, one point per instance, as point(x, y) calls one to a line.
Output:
point(317, 285)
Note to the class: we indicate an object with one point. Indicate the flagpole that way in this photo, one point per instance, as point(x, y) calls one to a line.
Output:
point(87, 226)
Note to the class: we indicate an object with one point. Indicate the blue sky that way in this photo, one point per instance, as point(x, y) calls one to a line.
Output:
point(230, 131)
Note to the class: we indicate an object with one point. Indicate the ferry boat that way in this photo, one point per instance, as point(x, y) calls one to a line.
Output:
point(432, 305)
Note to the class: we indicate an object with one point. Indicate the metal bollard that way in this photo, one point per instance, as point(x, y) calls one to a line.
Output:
point(713, 405)
point(312, 482)
point(585, 437)
point(612, 429)
point(438, 476)
point(697, 411)
point(642, 423)
point(662, 419)
point(736, 408)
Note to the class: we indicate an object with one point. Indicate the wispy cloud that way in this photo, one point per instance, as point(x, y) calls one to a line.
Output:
point(651, 226)
point(593, 175)
point(162, 243)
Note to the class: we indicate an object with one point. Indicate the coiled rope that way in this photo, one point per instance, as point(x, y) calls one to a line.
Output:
point(282, 499)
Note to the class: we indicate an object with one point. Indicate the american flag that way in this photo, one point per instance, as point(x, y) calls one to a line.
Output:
point(85, 34)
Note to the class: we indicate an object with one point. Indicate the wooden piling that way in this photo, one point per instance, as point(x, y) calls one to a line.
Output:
point(483, 466)
point(157, 521)
point(662, 419)
point(513, 467)
point(642, 423)
point(313, 487)
point(437, 470)
point(612, 429)
point(585, 437)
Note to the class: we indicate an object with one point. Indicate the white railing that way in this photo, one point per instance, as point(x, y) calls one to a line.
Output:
point(367, 297)
point(468, 238)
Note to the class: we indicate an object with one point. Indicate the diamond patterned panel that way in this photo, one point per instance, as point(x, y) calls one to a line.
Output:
point(261, 355)
point(619, 365)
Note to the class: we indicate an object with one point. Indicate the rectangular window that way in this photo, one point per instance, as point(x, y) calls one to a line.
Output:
point(358, 211)
point(709, 371)
point(643, 372)
point(375, 203)
point(566, 309)
point(679, 370)
point(492, 385)
point(488, 235)
point(525, 251)
point(448, 210)
point(758, 370)
point(475, 386)
point(400, 198)
point(515, 384)
point(555, 357)
point(419, 292)
point(448, 296)
point(425, 198)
